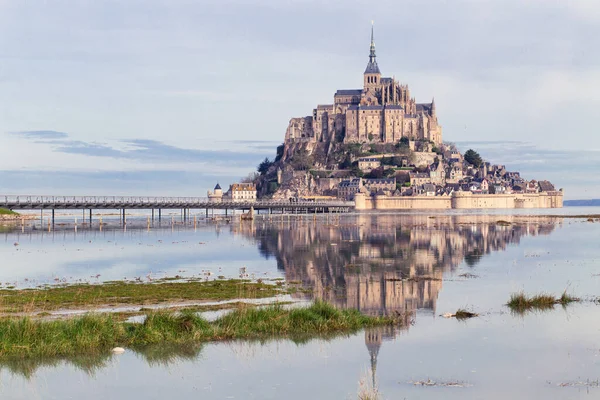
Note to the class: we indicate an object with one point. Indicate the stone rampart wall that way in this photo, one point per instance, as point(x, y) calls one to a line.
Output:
point(460, 200)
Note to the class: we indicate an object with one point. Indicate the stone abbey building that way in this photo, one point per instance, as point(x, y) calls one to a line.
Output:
point(381, 112)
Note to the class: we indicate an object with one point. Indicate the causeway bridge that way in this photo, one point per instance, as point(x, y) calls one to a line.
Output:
point(124, 203)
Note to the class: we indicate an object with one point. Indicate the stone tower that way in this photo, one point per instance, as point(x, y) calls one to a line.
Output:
point(372, 75)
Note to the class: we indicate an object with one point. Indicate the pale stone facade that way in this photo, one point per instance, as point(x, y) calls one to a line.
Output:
point(461, 200)
point(369, 163)
point(241, 192)
point(383, 111)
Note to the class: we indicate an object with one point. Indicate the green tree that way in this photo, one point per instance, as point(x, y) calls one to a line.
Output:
point(357, 171)
point(397, 161)
point(403, 142)
point(264, 166)
point(347, 163)
point(473, 158)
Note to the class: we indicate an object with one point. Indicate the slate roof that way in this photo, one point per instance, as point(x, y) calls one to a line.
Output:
point(424, 107)
point(372, 68)
point(349, 92)
point(546, 186)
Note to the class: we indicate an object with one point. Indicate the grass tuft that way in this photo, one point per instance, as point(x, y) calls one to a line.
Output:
point(521, 303)
point(566, 299)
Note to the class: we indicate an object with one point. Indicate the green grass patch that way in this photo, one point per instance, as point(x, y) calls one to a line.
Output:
point(98, 333)
point(5, 211)
point(521, 303)
point(88, 296)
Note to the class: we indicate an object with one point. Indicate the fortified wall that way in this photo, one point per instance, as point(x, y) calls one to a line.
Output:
point(460, 200)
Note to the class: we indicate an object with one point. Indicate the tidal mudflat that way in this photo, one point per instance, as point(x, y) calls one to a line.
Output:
point(425, 266)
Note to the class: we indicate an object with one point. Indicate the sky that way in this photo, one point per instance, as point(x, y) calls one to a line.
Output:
point(167, 97)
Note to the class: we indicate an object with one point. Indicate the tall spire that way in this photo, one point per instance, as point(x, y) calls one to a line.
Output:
point(372, 48)
point(372, 67)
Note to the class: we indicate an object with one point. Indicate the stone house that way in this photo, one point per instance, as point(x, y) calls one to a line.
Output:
point(484, 186)
point(437, 174)
point(369, 163)
point(375, 185)
point(419, 178)
point(429, 189)
point(454, 174)
point(348, 188)
point(241, 192)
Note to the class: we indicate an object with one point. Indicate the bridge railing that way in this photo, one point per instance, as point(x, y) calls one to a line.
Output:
point(151, 201)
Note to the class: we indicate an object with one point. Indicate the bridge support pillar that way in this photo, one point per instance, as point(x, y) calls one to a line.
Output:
point(53, 217)
point(153, 215)
point(124, 220)
point(159, 214)
point(90, 217)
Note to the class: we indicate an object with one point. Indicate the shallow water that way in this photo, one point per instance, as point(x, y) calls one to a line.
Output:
point(378, 263)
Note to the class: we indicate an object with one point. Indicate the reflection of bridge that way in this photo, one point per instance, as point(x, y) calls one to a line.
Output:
point(159, 203)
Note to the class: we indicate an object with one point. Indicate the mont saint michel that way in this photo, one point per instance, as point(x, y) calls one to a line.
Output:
point(379, 147)
point(383, 111)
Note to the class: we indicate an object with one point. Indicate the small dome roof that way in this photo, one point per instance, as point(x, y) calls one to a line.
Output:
point(218, 187)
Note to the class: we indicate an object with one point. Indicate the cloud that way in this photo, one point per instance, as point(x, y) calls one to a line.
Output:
point(150, 151)
point(41, 134)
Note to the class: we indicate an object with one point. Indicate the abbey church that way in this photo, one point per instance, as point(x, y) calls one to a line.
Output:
point(381, 112)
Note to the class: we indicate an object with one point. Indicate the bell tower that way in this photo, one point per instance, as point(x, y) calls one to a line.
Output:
point(372, 75)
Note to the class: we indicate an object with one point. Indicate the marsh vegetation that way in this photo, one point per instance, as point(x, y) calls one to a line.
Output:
point(521, 303)
point(97, 333)
point(88, 296)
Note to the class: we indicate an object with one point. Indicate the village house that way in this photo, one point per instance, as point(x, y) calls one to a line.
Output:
point(419, 178)
point(484, 186)
point(429, 189)
point(369, 163)
point(454, 174)
point(376, 185)
point(348, 188)
point(437, 174)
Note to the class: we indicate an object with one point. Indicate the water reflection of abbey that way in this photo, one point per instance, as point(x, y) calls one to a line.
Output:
point(383, 264)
